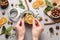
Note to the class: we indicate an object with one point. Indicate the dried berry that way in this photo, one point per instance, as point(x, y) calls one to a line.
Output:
point(14, 29)
point(51, 30)
point(6, 36)
point(12, 5)
point(57, 27)
point(46, 19)
point(11, 23)
point(54, 4)
point(57, 34)
point(3, 13)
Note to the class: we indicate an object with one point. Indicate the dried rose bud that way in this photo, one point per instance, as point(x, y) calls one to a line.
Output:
point(12, 5)
point(46, 19)
point(3, 13)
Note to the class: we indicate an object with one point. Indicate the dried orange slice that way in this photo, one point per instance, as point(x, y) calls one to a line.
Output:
point(1, 22)
point(29, 19)
point(41, 2)
point(35, 4)
point(38, 3)
point(4, 20)
point(0, 25)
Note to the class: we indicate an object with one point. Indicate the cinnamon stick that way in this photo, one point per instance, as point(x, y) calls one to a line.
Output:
point(27, 4)
point(49, 23)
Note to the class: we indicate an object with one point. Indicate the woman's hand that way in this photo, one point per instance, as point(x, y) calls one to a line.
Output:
point(20, 29)
point(36, 29)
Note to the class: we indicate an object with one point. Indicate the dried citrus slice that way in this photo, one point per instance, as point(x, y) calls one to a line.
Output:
point(38, 3)
point(1, 22)
point(4, 20)
point(29, 19)
point(35, 4)
point(41, 2)
point(0, 25)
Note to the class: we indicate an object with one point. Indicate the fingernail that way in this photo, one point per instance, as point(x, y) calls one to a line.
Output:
point(36, 23)
point(14, 29)
point(20, 24)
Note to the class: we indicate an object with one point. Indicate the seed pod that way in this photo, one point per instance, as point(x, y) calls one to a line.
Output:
point(30, 0)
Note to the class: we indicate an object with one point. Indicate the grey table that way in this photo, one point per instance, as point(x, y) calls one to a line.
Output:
point(45, 35)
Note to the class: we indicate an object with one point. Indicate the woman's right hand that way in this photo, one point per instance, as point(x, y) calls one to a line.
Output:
point(20, 29)
point(36, 29)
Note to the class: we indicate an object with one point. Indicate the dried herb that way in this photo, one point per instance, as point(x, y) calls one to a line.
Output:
point(10, 22)
point(3, 30)
point(9, 29)
point(48, 3)
point(49, 6)
point(21, 5)
point(6, 31)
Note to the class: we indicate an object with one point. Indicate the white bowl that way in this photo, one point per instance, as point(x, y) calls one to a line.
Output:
point(14, 14)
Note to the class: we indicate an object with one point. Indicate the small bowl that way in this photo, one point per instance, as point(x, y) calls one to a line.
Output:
point(14, 14)
point(52, 15)
point(3, 5)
